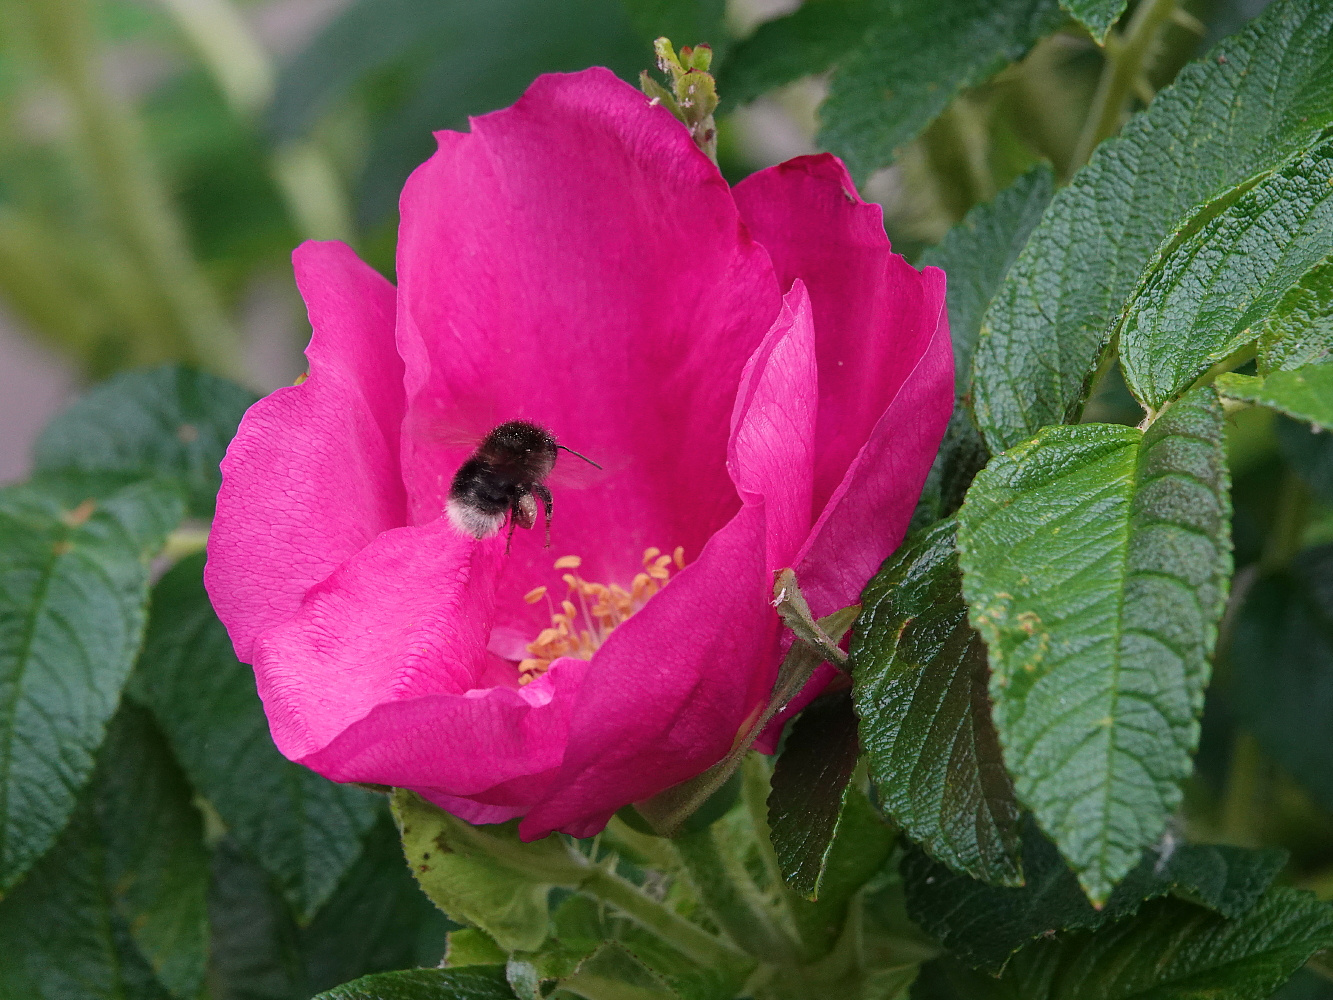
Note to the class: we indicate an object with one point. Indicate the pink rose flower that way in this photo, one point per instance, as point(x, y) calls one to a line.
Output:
point(763, 382)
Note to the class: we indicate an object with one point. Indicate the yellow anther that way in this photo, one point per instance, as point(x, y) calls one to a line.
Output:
point(534, 595)
point(678, 557)
point(568, 562)
point(651, 553)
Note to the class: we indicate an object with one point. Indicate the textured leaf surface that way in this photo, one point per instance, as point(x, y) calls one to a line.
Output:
point(1259, 98)
point(377, 920)
point(1096, 15)
point(1299, 330)
point(472, 983)
point(983, 925)
point(74, 558)
point(302, 828)
point(977, 253)
point(1304, 393)
point(810, 40)
point(918, 56)
point(168, 421)
point(809, 781)
point(1282, 657)
point(921, 693)
point(1205, 297)
point(1096, 560)
point(1171, 950)
point(483, 875)
point(121, 895)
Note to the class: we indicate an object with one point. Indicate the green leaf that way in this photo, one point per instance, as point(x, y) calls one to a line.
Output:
point(809, 782)
point(377, 920)
point(1096, 560)
point(156, 864)
point(1259, 98)
point(1282, 660)
point(921, 693)
point(915, 59)
point(983, 925)
point(977, 253)
point(1172, 950)
point(74, 562)
point(168, 421)
point(1309, 451)
point(484, 876)
point(1096, 15)
point(810, 40)
point(121, 895)
point(1304, 393)
point(685, 22)
point(1299, 330)
point(1204, 297)
point(476, 982)
point(301, 827)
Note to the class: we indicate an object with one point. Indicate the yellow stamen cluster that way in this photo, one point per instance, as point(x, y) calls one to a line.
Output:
point(590, 611)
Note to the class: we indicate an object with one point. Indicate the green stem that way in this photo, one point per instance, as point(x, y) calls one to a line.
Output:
point(1284, 537)
point(1126, 55)
point(1244, 779)
point(129, 192)
point(689, 939)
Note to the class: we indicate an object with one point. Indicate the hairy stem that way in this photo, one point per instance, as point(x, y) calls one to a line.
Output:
point(1126, 56)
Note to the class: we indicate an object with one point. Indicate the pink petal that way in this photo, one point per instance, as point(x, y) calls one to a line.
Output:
point(669, 691)
point(312, 475)
point(576, 261)
point(875, 314)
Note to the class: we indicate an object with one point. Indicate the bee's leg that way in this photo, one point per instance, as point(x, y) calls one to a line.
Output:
point(545, 496)
point(509, 538)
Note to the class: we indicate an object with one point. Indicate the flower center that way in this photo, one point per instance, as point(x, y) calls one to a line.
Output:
point(590, 611)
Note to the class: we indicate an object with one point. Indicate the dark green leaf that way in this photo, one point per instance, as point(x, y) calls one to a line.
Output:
point(921, 678)
point(685, 22)
point(1299, 330)
point(301, 827)
point(985, 924)
point(476, 982)
point(121, 895)
point(168, 421)
point(1259, 98)
point(811, 40)
point(1096, 15)
point(915, 60)
point(1282, 656)
point(74, 559)
point(156, 863)
point(1172, 950)
point(1310, 452)
point(977, 253)
point(1096, 561)
point(809, 780)
point(1204, 297)
point(1304, 393)
point(376, 920)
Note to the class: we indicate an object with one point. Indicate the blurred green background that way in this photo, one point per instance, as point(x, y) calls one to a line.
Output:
point(160, 158)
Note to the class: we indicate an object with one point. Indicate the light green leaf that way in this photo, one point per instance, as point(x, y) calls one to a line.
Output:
point(1303, 393)
point(1258, 99)
point(1299, 330)
point(302, 828)
point(1282, 666)
point(1205, 297)
point(1096, 15)
point(484, 875)
point(121, 896)
point(476, 982)
point(170, 421)
point(983, 925)
point(809, 782)
point(915, 59)
point(1171, 950)
point(1096, 560)
point(977, 253)
point(921, 693)
point(74, 562)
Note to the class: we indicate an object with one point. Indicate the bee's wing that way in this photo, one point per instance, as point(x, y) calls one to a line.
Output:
point(573, 473)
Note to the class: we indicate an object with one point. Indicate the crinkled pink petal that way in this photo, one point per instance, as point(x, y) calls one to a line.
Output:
point(670, 689)
point(874, 313)
point(312, 475)
point(577, 262)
